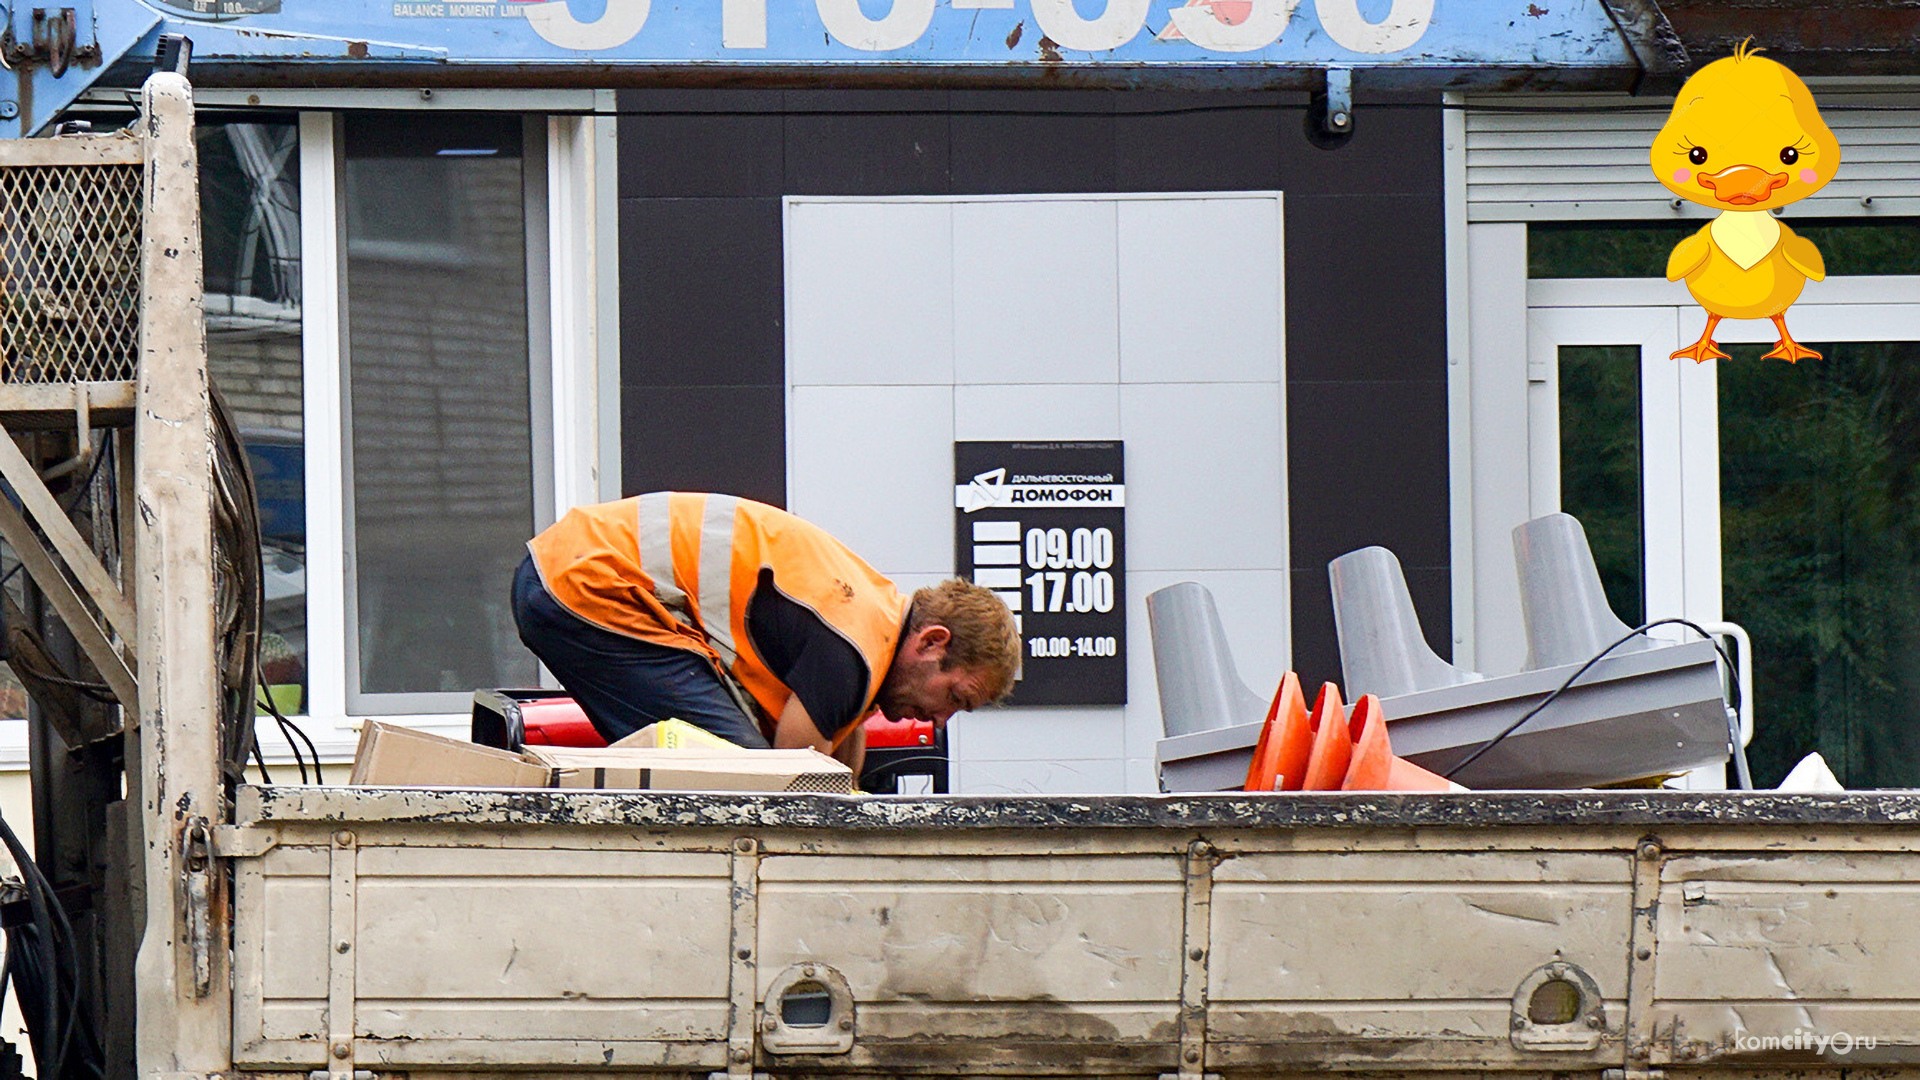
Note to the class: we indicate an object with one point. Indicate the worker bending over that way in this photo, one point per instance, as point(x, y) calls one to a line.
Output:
point(751, 623)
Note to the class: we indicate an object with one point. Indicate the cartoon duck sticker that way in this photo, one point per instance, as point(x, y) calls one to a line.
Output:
point(1745, 138)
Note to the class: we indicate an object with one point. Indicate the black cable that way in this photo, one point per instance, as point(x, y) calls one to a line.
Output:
point(260, 762)
point(287, 730)
point(39, 977)
point(1739, 752)
point(100, 456)
point(239, 589)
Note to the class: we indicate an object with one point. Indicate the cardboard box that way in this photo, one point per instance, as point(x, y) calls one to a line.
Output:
point(394, 756)
point(657, 769)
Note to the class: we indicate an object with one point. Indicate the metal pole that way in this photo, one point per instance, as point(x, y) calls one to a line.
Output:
point(184, 1015)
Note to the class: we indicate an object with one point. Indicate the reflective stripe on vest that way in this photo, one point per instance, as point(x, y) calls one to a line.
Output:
point(656, 551)
point(710, 605)
point(716, 575)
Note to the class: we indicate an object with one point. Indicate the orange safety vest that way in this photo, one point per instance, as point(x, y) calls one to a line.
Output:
point(677, 569)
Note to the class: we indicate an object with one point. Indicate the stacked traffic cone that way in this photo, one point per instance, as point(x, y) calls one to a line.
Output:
point(1280, 758)
point(1325, 749)
point(1332, 743)
point(1373, 765)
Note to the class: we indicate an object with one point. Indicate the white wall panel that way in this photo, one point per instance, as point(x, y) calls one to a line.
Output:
point(1589, 159)
point(1205, 476)
point(1054, 411)
point(1200, 295)
point(873, 465)
point(1034, 292)
point(1045, 733)
point(869, 293)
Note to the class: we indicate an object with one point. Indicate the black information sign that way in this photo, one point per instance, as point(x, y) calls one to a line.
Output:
point(1043, 525)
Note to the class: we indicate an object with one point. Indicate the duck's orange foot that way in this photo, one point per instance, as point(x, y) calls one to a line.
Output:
point(1791, 351)
point(1700, 352)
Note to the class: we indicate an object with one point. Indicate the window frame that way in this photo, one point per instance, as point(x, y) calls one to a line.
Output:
point(572, 315)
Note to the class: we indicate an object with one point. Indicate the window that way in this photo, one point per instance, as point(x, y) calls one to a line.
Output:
point(250, 224)
point(381, 312)
point(439, 400)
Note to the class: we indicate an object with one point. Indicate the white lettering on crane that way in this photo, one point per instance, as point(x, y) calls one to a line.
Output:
point(901, 27)
point(1115, 27)
point(1404, 25)
point(615, 27)
point(1261, 28)
point(743, 24)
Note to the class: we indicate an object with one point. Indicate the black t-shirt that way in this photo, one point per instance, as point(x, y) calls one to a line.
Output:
point(811, 658)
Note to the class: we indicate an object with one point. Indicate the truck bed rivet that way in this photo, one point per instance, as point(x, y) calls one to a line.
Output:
point(1193, 1055)
point(341, 1050)
point(741, 1054)
point(344, 838)
point(1197, 954)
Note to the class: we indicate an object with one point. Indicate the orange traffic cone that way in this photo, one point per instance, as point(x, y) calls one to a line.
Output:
point(1373, 766)
point(1280, 757)
point(1332, 744)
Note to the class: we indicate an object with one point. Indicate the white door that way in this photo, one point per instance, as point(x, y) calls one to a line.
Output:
point(1808, 542)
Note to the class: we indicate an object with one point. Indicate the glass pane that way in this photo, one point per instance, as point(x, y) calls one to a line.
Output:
point(1600, 466)
point(1640, 249)
point(1820, 527)
point(250, 213)
point(441, 433)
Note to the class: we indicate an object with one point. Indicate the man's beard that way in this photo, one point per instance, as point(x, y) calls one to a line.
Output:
point(893, 697)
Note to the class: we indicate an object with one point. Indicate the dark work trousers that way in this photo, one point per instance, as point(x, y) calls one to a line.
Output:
point(623, 683)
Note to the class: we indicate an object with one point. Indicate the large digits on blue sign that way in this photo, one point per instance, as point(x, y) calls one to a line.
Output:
point(616, 26)
point(1261, 28)
point(1404, 25)
point(1115, 27)
point(900, 28)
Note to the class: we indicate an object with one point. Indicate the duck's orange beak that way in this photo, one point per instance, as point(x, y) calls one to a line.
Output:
point(1742, 185)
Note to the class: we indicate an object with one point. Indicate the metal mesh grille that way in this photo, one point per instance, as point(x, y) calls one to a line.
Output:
point(69, 273)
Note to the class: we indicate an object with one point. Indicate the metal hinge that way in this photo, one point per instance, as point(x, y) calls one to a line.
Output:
point(54, 36)
point(197, 870)
point(239, 842)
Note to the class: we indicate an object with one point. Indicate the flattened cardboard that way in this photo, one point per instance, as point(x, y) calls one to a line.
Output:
point(394, 756)
point(656, 769)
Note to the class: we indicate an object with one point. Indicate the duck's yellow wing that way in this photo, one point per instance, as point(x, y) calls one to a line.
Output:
point(1802, 255)
point(1690, 254)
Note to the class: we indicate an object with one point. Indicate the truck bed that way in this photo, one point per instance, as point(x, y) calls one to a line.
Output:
point(570, 933)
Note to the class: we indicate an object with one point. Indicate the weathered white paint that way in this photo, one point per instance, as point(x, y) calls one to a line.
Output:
point(182, 1006)
point(900, 27)
point(617, 24)
point(1118, 23)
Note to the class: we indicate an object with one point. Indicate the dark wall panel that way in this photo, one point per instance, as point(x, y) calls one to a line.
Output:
point(702, 292)
point(702, 173)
